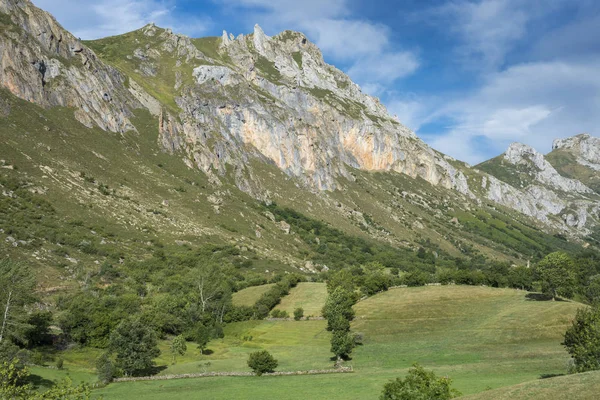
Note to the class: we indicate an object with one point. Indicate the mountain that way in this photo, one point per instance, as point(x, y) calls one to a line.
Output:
point(127, 146)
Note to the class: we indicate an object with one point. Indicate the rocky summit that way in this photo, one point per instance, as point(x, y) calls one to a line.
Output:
point(259, 120)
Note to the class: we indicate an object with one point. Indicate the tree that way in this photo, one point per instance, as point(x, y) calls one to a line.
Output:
point(592, 291)
point(261, 362)
point(105, 368)
point(201, 336)
point(342, 343)
point(520, 277)
point(135, 346)
point(298, 313)
point(582, 339)
point(38, 331)
point(555, 273)
point(209, 282)
point(178, 347)
point(17, 285)
point(339, 302)
point(419, 384)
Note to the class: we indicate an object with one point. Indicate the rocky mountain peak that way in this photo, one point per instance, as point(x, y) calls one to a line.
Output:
point(585, 147)
point(526, 156)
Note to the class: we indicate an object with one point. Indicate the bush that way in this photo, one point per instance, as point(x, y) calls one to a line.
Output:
point(261, 362)
point(419, 384)
point(298, 313)
point(59, 363)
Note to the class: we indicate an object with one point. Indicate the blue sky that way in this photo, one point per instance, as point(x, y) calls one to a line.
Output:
point(469, 76)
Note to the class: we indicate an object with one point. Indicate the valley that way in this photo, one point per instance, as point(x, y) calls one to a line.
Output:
point(174, 205)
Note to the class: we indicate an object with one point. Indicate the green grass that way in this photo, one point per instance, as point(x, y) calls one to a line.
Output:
point(297, 56)
point(308, 295)
point(43, 378)
point(584, 386)
point(297, 345)
point(481, 337)
point(249, 295)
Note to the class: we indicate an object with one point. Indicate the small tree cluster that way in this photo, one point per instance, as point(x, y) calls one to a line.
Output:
point(419, 384)
point(262, 362)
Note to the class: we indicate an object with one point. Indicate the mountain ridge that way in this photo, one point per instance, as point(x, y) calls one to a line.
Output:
point(254, 120)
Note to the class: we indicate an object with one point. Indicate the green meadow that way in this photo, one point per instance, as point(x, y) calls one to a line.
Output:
point(483, 338)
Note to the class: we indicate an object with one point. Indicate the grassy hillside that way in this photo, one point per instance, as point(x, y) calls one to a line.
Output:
point(249, 295)
point(481, 337)
point(308, 295)
point(584, 386)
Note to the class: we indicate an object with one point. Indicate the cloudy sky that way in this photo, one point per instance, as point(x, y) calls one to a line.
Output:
point(469, 76)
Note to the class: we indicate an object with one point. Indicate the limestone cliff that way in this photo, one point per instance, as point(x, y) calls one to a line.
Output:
point(43, 63)
point(225, 103)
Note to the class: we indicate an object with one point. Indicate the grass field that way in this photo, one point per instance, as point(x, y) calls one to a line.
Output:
point(297, 345)
point(584, 386)
point(308, 295)
point(249, 296)
point(483, 338)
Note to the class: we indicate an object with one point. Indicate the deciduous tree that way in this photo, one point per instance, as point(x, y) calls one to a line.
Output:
point(17, 285)
point(135, 346)
point(582, 339)
point(556, 275)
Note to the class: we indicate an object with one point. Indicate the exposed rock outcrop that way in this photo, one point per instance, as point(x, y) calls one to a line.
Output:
point(43, 63)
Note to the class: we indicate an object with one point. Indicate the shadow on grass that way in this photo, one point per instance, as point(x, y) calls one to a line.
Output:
point(39, 382)
point(155, 370)
point(540, 297)
point(546, 376)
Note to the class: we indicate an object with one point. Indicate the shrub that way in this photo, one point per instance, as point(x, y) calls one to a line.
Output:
point(419, 384)
point(298, 313)
point(279, 314)
point(261, 362)
point(59, 363)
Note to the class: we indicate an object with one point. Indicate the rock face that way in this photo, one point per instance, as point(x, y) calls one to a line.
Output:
point(548, 196)
point(224, 104)
point(521, 154)
point(276, 95)
point(42, 63)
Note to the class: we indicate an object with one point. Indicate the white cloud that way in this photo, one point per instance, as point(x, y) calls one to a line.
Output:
point(384, 68)
point(92, 20)
point(347, 39)
point(533, 103)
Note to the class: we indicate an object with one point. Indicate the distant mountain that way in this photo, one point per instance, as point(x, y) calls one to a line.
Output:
point(155, 136)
